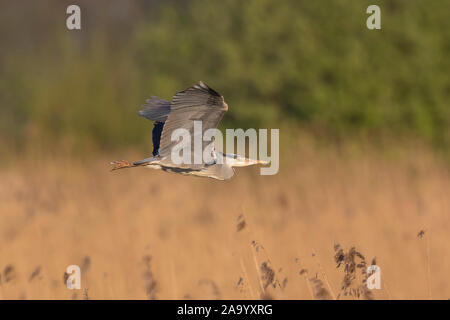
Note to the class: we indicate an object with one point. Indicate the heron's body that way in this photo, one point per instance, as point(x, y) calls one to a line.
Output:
point(197, 103)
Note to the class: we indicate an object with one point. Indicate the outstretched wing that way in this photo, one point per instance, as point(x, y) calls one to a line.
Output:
point(197, 103)
point(156, 109)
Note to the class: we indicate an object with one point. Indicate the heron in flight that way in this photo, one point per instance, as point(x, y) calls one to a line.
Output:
point(197, 103)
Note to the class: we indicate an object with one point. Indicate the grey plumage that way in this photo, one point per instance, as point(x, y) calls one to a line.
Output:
point(198, 102)
point(156, 109)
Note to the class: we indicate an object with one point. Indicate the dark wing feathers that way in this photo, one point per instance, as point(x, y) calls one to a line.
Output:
point(156, 109)
point(199, 102)
point(156, 136)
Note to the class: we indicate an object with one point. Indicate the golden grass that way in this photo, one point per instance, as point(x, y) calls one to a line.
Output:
point(139, 233)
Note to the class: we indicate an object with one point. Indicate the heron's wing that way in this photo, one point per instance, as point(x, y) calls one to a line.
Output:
point(156, 136)
point(156, 109)
point(197, 103)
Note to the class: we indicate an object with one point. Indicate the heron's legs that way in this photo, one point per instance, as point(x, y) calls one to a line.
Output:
point(121, 164)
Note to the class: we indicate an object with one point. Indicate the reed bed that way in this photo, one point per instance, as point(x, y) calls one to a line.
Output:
point(307, 233)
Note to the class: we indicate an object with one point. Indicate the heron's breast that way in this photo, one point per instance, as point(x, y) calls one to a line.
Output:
point(153, 166)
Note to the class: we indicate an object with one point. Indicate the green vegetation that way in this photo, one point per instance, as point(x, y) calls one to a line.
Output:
point(311, 64)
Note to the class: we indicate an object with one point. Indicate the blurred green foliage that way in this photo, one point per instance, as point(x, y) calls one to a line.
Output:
point(308, 64)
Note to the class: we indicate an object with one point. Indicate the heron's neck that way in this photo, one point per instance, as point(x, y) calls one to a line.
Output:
point(234, 160)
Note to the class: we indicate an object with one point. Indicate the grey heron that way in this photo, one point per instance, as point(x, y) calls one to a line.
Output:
point(196, 103)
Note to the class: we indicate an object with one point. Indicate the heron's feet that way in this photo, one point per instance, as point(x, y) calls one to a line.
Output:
point(120, 164)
